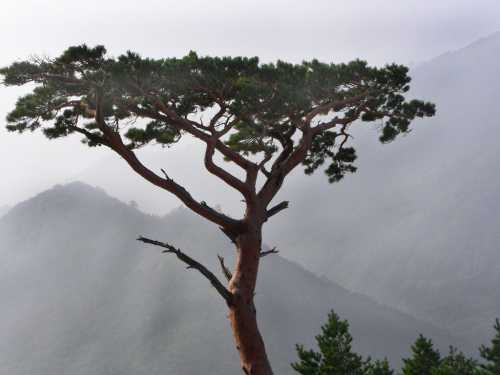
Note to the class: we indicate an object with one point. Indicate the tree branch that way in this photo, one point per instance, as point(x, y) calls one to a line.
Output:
point(225, 270)
point(185, 125)
point(224, 175)
point(338, 121)
point(89, 135)
point(275, 209)
point(232, 235)
point(262, 165)
point(280, 171)
point(290, 158)
point(221, 289)
point(217, 117)
point(213, 143)
point(116, 144)
point(263, 253)
point(335, 105)
point(332, 123)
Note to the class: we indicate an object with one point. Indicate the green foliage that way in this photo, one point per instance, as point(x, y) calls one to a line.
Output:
point(267, 102)
point(154, 130)
point(323, 148)
point(335, 356)
point(424, 359)
point(491, 354)
point(456, 363)
point(379, 368)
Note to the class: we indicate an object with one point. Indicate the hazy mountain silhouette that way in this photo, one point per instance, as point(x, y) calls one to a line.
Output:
point(82, 296)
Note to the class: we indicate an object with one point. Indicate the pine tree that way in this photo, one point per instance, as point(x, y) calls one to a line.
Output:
point(335, 356)
point(492, 354)
point(456, 363)
point(379, 368)
point(424, 360)
point(267, 120)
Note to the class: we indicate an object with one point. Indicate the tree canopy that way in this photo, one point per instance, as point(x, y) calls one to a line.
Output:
point(424, 358)
point(253, 108)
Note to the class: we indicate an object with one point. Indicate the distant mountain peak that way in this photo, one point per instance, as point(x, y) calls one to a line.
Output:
point(76, 187)
point(485, 44)
point(71, 197)
point(490, 38)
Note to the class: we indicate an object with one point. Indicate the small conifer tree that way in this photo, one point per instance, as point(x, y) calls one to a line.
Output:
point(335, 356)
point(492, 354)
point(456, 363)
point(424, 359)
point(379, 368)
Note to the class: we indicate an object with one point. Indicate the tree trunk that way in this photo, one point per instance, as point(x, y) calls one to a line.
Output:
point(242, 312)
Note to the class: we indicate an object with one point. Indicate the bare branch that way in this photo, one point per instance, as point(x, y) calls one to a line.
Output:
point(165, 174)
point(225, 270)
point(265, 172)
point(232, 235)
point(193, 264)
point(267, 252)
point(275, 209)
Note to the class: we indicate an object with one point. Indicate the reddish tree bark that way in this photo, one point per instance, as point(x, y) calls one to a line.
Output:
point(242, 311)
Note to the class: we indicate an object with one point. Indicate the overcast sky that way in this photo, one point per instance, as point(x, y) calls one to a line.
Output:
point(380, 31)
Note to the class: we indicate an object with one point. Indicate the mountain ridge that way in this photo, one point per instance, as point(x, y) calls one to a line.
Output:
point(86, 298)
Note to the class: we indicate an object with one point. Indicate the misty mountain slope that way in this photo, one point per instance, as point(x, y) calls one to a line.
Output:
point(417, 226)
point(82, 296)
point(4, 210)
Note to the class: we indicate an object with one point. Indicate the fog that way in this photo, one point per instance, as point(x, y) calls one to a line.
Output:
point(88, 299)
point(378, 31)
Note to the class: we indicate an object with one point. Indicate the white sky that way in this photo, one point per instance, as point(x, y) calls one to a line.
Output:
point(405, 31)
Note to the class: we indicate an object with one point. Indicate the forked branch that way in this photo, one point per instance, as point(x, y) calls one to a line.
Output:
point(221, 289)
point(115, 142)
point(263, 253)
